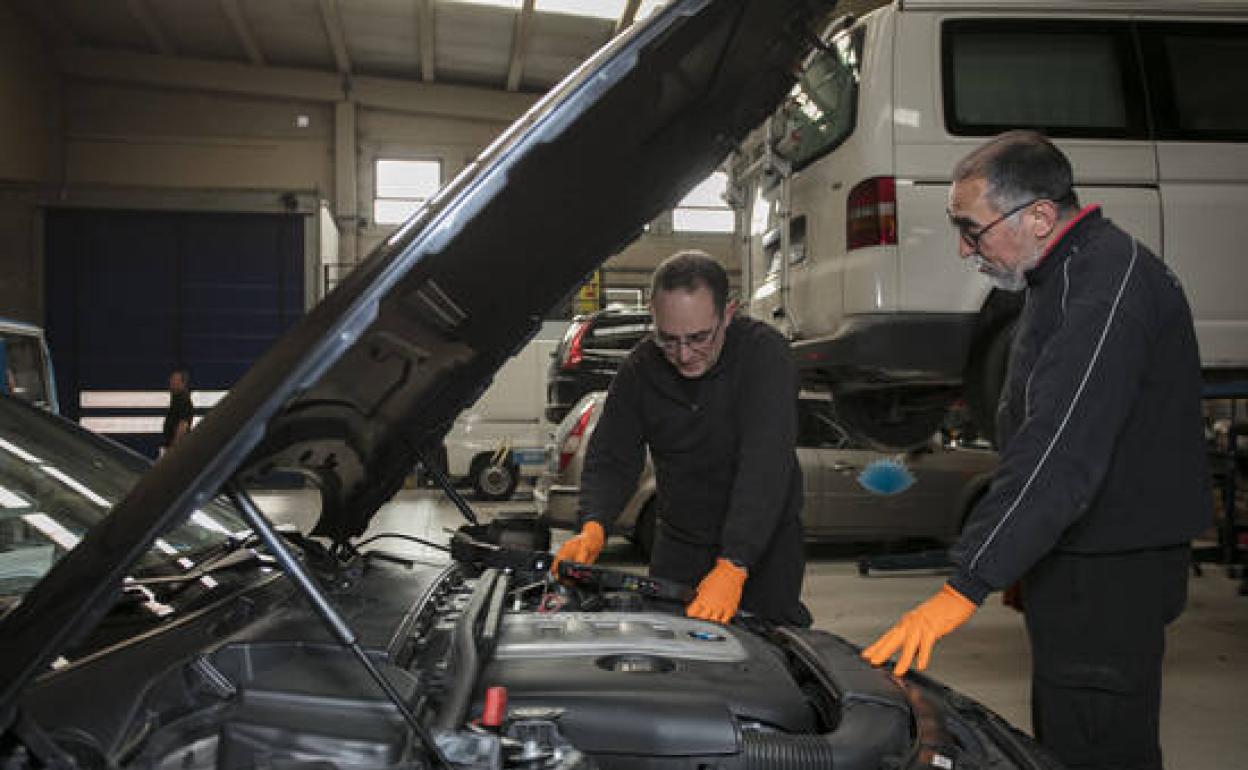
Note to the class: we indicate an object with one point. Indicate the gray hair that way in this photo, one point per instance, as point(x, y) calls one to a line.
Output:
point(1021, 166)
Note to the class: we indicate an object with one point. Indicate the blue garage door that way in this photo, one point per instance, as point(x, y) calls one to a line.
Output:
point(132, 295)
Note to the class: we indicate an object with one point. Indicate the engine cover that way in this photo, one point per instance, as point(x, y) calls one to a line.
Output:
point(644, 683)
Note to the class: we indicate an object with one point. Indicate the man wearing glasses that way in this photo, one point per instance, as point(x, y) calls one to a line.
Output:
point(1103, 479)
point(714, 397)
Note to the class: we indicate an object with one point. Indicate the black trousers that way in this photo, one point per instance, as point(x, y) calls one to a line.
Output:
point(773, 589)
point(1097, 629)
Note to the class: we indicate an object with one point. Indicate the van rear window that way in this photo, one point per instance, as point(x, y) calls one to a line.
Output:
point(1066, 79)
point(822, 109)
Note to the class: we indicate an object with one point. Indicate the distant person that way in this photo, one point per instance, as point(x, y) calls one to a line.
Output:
point(181, 411)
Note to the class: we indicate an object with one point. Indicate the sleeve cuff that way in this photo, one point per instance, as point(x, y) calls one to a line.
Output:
point(970, 586)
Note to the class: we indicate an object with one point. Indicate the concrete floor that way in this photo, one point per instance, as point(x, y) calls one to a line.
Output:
point(1205, 707)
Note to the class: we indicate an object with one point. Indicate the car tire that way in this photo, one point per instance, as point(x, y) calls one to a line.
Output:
point(644, 528)
point(493, 481)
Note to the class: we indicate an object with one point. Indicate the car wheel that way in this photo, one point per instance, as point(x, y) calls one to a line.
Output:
point(643, 530)
point(986, 378)
point(493, 481)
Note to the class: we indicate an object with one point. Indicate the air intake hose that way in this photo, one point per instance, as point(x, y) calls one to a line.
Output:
point(778, 751)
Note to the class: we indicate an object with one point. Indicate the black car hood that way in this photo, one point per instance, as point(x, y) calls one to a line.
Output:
point(386, 361)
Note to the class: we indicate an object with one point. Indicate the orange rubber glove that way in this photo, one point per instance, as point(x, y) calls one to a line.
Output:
point(719, 593)
point(584, 548)
point(918, 630)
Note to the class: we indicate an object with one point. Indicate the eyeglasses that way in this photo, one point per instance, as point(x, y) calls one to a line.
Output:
point(697, 341)
point(972, 238)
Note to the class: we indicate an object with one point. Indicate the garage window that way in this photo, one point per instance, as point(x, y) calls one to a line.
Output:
point(704, 209)
point(402, 187)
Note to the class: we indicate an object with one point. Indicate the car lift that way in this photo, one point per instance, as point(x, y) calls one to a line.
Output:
point(1232, 546)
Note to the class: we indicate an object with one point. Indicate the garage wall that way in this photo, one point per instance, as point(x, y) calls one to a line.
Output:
point(388, 134)
point(385, 134)
point(29, 157)
point(137, 136)
point(192, 134)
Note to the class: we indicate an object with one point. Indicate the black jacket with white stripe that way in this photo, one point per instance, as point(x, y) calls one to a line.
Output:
point(1099, 425)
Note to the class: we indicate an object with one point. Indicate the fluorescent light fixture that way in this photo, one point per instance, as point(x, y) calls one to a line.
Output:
point(597, 9)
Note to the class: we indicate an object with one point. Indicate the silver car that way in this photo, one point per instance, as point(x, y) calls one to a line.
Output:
point(942, 482)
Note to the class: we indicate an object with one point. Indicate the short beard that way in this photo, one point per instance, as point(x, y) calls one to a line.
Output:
point(1009, 280)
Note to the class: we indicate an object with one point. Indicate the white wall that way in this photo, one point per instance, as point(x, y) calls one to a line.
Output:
point(149, 137)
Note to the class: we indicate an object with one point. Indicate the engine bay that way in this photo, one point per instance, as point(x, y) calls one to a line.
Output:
point(503, 667)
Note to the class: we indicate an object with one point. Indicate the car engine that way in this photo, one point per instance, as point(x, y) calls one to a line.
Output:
point(503, 668)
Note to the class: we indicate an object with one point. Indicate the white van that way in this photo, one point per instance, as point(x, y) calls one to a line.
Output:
point(26, 365)
point(503, 436)
point(841, 195)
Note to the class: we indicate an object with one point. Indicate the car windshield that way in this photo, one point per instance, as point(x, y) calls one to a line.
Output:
point(22, 368)
point(57, 481)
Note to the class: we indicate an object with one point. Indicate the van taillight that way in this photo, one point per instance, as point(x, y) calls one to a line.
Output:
point(871, 213)
point(573, 353)
point(572, 441)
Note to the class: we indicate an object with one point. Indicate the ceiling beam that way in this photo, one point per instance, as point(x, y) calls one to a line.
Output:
point(242, 30)
point(141, 13)
point(183, 72)
point(425, 28)
point(333, 30)
point(628, 17)
point(520, 45)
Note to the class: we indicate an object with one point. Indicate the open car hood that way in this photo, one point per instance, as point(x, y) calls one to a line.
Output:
point(415, 333)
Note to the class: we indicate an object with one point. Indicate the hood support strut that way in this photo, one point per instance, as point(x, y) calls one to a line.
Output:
point(333, 621)
point(449, 488)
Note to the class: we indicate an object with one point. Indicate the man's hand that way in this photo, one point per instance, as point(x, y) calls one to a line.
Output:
point(584, 548)
point(918, 630)
point(719, 593)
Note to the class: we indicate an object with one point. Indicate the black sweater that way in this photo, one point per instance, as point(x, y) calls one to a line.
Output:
point(1100, 426)
point(722, 444)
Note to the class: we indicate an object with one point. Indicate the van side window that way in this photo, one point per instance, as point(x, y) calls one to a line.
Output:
point(1069, 80)
point(822, 109)
point(1197, 72)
